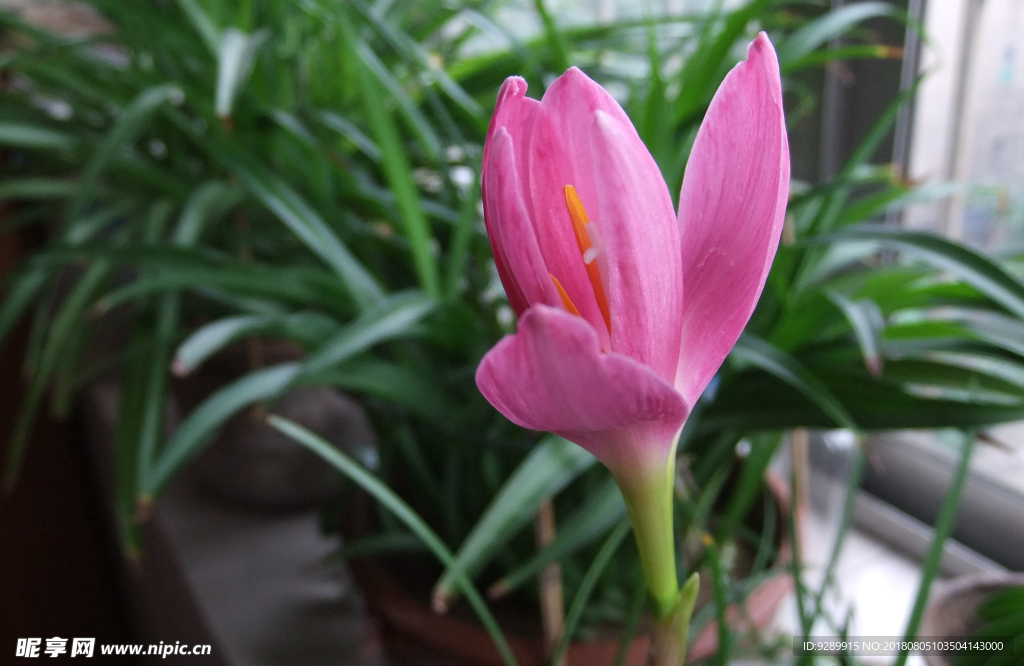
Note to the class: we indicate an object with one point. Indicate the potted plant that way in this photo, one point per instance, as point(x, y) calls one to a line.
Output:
point(229, 183)
point(982, 609)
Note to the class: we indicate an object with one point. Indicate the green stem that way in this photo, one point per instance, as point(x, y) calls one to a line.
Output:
point(649, 501)
point(648, 495)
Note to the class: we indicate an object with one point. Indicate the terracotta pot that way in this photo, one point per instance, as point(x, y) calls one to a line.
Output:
point(952, 611)
point(414, 635)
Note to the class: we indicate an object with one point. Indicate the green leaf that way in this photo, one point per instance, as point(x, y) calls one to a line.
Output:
point(412, 50)
point(339, 124)
point(399, 175)
point(896, 197)
point(236, 55)
point(393, 503)
point(60, 333)
point(748, 486)
point(130, 122)
point(37, 188)
point(154, 404)
point(867, 322)
point(632, 623)
point(418, 123)
point(829, 26)
point(552, 464)
point(759, 401)
point(555, 37)
point(207, 204)
point(1002, 602)
point(194, 433)
point(18, 297)
point(586, 587)
point(202, 23)
point(311, 229)
point(394, 384)
point(972, 267)
point(943, 529)
point(604, 508)
point(306, 327)
point(996, 329)
point(844, 53)
point(285, 285)
point(463, 237)
point(381, 543)
point(718, 583)
point(757, 352)
point(34, 137)
point(697, 77)
point(393, 318)
point(973, 377)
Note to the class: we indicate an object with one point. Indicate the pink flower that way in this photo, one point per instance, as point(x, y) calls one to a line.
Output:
point(626, 309)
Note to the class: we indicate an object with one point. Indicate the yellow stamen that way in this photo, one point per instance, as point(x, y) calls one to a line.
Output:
point(579, 218)
point(566, 301)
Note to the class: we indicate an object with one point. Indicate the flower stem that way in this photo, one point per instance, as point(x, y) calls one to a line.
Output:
point(648, 496)
point(649, 501)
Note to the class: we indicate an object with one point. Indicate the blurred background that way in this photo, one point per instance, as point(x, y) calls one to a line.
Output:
point(217, 210)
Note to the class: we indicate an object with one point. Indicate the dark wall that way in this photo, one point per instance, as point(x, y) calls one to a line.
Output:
point(56, 572)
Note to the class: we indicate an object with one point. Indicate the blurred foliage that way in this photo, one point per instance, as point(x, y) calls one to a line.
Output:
point(214, 171)
point(1002, 621)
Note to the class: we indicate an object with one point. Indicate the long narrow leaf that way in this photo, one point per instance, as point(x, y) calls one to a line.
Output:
point(236, 55)
point(867, 322)
point(200, 426)
point(829, 26)
point(37, 188)
point(586, 588)
point(129, 124)
point(972, 267)
point(550, 467)
point(603, 509)
point(944, 523)
point(204, 342)
point(59, 334)
point(399, 175)
point(307, 224)
point(153, 407)
point(34, 137)
point(395, 317)
point(756, 351)
point(394, 384)
point(202, 23)
point(387, 497)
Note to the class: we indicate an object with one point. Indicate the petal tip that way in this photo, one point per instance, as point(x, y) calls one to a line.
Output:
point(574, 79)
point(513, 86)
point(511, 101)
point(761, 53)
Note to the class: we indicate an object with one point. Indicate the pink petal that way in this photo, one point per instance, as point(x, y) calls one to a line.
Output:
point(510, 226)
point(552, 376)
point(731, 212)
point(516, 114)
point(641, 239)
point(560, 155)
